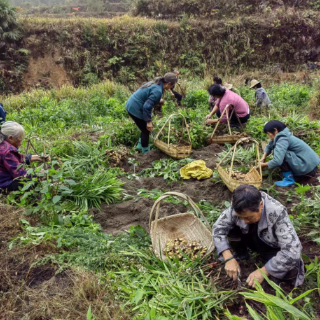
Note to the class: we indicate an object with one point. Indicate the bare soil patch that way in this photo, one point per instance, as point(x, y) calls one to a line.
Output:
point(208, 154)
point(118, 217)
point(46, 72)
point(36, 292)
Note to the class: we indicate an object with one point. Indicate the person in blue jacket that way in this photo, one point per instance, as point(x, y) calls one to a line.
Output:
point(293, 156)
point(3, 114)
point(140, 105)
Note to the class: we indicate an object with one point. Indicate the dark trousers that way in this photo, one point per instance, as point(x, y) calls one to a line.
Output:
point(234, 119)
point(178, 96)
point(142, 125)
point(13, 186)
point(253, 242)
point(286, 168)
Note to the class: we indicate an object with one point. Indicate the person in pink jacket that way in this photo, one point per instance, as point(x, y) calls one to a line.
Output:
point(224, 98)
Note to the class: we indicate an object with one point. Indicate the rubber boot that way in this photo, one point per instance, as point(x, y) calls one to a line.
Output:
point(145, 150)
point(287, 181)
point(139, 146)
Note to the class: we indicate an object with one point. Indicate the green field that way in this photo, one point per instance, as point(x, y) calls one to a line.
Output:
point(75, 216)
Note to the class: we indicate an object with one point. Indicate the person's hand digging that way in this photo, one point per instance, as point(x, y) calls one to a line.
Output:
point(256, 275)
point(232, 266)
point(232, 269)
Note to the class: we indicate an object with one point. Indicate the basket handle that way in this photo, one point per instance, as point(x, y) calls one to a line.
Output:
point(156, 207)
point(169, 120)
point(234, 149)
point(226, 110)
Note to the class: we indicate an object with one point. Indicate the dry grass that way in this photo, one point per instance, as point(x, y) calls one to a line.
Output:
point(35, 293)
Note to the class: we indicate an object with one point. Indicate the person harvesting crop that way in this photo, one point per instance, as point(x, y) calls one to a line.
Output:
point(140, 105)
point(262, 98)
point(260, 223)
point(293, 156)
point(224, 98)
point(174, 93)
point(11, 161)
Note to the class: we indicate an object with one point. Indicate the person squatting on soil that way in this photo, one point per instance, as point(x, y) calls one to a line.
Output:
point(176, 94)
point(11, 161)
point(258, 222)
point(140, 105)
point(262, 98)
point(293, 156)
point(224, 98)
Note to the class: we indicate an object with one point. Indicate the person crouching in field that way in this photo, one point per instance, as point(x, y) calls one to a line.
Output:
point(140, 105)
point(11, 161)
point(224, 98)
point(260, 223)
point(293, 156)
point(262, 98)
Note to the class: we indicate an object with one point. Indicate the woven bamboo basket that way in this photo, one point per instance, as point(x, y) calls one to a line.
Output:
point(177, 152)
point(183, 225)
point(253, 177)
point(231, 137)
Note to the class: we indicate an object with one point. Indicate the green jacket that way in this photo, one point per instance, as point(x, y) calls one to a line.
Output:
point(299, 156)
point(140, 104)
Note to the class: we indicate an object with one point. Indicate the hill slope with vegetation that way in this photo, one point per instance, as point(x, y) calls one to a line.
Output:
point(134, 49)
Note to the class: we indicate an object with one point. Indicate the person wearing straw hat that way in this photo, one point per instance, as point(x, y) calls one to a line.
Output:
point(11, 161)
point(139, 106)
point(260, 223)
point(297, 161)
point(226, 98)
point(262, 98)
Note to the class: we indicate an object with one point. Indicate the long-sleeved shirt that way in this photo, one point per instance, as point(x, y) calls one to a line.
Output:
point(11, 162)
point(275, 229)
point(262, 98)
point(140, 104)
point(299, 156)
point(240, 106)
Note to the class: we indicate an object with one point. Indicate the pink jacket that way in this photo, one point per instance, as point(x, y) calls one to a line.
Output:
point(240, 106)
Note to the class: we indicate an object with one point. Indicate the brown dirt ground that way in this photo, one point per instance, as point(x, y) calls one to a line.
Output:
point(45, 71)
point(207, 154)
point(37, 293)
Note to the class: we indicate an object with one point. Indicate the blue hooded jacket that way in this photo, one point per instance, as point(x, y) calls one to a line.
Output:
point(299, 156)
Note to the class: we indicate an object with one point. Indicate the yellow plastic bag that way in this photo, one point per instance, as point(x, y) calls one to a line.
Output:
point(196, 169)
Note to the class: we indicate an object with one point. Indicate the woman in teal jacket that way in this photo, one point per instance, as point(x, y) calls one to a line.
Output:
point(141, 103)
point(292, 155)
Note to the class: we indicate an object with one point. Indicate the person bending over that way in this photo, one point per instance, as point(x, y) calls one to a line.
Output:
point(212, 101)
point(293, 156)
point(262, 98)
point(224, 98)
point(174, 93)
point(140, 105)
point(260, 223)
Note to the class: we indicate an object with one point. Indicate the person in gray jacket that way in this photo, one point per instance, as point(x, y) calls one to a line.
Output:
point(260, 223)
point(262, 98)
point(293, 156)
